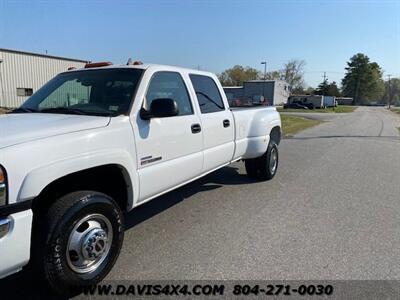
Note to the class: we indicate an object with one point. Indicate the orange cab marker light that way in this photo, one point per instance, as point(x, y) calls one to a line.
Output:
point(98, 64)
point(2, 178)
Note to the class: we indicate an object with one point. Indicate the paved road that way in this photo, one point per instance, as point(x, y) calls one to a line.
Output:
point(315, 115)
point(332, 212)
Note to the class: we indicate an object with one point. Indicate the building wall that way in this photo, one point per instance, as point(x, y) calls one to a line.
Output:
point(23, 70)
point(276, 92)
point(281, 93)
point(255, 88)
point(233, 92)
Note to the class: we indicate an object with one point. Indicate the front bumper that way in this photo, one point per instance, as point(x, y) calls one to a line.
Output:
point(15, 237)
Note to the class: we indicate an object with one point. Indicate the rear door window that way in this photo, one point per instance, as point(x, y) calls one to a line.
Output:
point(207, 93)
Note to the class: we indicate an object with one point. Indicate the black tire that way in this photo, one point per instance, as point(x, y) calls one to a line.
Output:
point(59, 222)
point(260, 167)
point(251, 169)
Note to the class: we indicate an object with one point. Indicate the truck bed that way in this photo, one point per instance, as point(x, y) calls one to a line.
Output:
point(252, 127)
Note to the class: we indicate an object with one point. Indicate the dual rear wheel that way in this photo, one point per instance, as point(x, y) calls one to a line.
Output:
point(265, 166)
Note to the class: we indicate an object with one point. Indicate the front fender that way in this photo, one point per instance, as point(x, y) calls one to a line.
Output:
point(36, 180)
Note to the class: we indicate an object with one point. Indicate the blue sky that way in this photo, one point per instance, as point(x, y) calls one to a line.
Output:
point(214, 35)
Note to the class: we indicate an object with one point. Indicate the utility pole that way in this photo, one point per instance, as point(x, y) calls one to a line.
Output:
point(265, 76)
point(390, 92)
point(324, 89)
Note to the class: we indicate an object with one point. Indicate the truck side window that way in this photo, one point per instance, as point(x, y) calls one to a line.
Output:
point(169, 85)
point(207, 93)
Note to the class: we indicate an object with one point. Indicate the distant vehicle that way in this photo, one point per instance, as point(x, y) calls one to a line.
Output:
point(344, 100)
point(308, 105)
point(296, 106)
point(317, 101)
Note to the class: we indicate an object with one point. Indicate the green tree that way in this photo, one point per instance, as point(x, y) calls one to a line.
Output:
point(237, 75)
point(309, 91)
point(328, 89)
point(333, 89)
point(273, 75)
point(322, 88)
point(363, 80)
point(293, 73)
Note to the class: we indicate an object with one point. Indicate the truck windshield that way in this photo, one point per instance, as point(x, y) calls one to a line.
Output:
point(107, 92)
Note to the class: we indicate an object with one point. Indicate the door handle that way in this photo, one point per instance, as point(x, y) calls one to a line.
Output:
point(196, 128)
point(226, 123)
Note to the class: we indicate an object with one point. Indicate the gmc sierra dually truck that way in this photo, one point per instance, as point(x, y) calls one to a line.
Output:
point(96, 142)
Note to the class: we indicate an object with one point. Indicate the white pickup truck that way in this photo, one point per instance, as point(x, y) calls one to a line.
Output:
point(96, 142)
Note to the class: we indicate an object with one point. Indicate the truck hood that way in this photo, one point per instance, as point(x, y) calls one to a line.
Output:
point(21, 128)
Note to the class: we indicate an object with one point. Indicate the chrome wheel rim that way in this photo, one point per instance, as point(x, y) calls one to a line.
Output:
point(273, 160)
point(89, 243)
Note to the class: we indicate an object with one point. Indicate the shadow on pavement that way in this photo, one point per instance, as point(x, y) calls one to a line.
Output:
point(215, 180)
point(24, 285)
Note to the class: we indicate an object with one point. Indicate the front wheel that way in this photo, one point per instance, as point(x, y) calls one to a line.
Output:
point(79, 240)
point(265, 166)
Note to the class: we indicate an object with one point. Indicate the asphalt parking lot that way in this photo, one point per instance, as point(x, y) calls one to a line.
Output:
point(330, 213)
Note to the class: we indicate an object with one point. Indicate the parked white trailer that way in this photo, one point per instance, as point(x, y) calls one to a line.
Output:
point(329, 101)
point(344, 100)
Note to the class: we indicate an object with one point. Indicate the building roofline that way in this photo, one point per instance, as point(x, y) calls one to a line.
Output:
point(268, 80)
point(43, 55)
point(305, 95)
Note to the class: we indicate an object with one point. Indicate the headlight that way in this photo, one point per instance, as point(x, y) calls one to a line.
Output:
point(3, 187)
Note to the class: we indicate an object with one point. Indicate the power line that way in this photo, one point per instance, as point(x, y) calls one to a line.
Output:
point(333, 72)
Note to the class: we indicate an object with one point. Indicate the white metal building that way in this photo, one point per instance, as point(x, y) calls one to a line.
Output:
point(275, 92)
point(23, 73)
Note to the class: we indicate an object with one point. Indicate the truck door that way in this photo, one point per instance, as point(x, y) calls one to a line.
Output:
point(216, 120)
point(169, 148)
